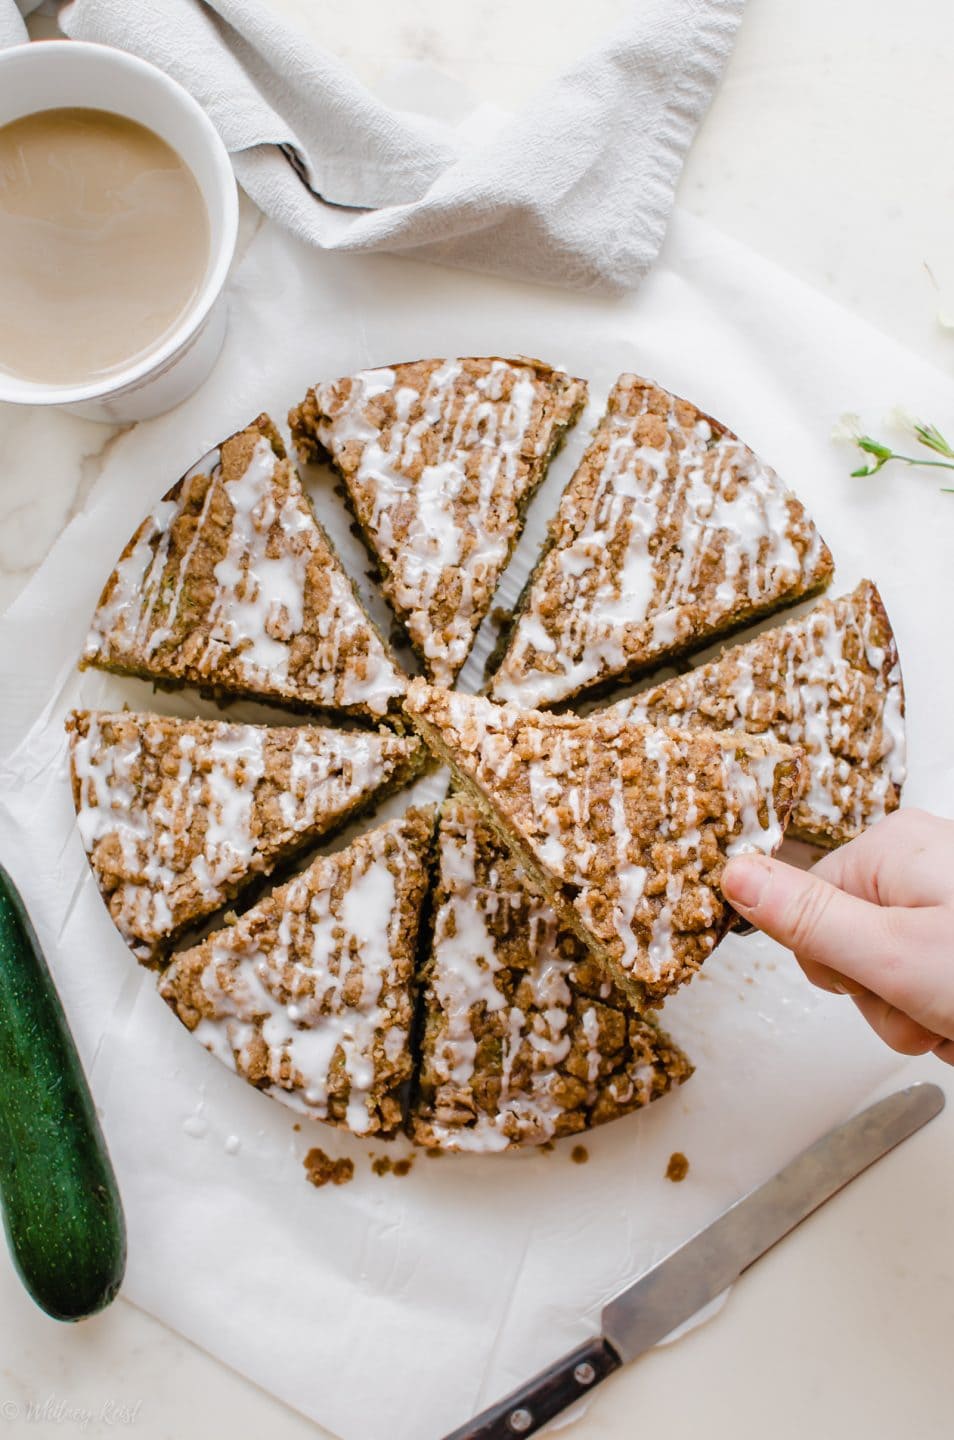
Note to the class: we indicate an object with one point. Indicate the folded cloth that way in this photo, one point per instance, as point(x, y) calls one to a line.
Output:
point(12, 29)
point(576, 190)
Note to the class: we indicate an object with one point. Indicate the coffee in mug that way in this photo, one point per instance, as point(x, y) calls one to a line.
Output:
point(104, 244)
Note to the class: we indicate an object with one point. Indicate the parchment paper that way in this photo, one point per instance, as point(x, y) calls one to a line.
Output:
point(390, 1309)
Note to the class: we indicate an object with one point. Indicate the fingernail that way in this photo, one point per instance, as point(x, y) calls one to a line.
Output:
point(744, 881)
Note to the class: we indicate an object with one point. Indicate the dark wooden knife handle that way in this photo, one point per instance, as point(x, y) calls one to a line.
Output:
point(528, 1409)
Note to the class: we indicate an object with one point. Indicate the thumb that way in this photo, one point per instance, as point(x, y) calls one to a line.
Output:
point(842, 942)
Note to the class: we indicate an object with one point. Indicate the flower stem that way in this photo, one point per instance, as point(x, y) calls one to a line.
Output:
point(928, 435)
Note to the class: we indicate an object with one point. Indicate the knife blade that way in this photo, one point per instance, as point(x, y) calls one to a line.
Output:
point(672, 1291)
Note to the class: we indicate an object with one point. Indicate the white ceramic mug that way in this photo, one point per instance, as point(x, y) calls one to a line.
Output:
point(53, 73)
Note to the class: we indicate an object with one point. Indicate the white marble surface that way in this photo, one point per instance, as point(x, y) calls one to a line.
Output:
point(829, 150)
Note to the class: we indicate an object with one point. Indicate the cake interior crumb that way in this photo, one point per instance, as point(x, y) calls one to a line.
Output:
point(579, 1154)
point(321, 1169)
point(678, 1167)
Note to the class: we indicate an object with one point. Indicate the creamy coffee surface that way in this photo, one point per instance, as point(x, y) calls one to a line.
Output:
point(104, 242)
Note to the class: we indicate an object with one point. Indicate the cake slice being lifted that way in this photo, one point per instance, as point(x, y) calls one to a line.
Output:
point(830, 682)
point(440, 459)
point(177, 815)
point(525, 1039)
point(670, 533)
point(231, 584)
point(623, 828)
point(309, 996)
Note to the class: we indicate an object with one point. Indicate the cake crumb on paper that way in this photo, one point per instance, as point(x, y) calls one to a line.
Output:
point(678, 1167)
point(384, 1165)
point(321, 1169)
point(579, 1154)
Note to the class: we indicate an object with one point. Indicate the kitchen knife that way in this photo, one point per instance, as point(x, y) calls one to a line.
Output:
point(687, 1279)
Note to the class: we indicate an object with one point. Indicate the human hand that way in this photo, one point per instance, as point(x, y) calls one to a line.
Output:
point(874, 920)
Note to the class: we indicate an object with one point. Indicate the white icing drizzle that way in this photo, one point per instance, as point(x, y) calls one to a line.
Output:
point(257, 614)
point(465, 957)
point(304, 1004)
point(439, 486)
point(238, 763)
point(590, 1021)
point(624, 582)
point(152, 638)
point(630, 877)
point(259, 605)
point(122, 622)
point(751, 783)
point(822, 682)
point(171, 809)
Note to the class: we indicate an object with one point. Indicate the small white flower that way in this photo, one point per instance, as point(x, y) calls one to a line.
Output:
point(899, 417)
point(847, 427)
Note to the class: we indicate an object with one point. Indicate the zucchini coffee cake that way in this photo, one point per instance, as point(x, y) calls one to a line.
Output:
point(483, 975)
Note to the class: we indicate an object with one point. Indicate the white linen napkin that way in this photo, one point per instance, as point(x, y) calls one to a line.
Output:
point(576, 190)
point(12, 29)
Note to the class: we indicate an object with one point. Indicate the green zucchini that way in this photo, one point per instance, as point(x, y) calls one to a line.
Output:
point(60, 1201)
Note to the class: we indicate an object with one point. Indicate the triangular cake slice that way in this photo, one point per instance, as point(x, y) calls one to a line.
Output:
point(670, 533)
point(623, 828)
point(177, 815)
point(309, 995)
point(440, 459)
point(232, 585)
point(830, 682)
point(524, 1037)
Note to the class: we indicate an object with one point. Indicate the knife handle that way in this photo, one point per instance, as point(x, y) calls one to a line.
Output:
point(528, 1409)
